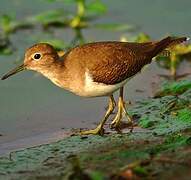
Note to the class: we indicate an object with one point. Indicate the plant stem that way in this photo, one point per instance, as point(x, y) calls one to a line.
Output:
point(80, 8)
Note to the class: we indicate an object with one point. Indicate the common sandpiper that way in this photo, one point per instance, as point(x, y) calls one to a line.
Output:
point(95, 69)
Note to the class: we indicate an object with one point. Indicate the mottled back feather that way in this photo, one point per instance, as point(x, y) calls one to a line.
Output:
point(113, 62)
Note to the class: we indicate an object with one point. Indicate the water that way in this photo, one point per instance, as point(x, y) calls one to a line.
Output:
point(33, 110)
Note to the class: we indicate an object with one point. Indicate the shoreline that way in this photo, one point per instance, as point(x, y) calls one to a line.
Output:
point(161, 141)
point(33, 141)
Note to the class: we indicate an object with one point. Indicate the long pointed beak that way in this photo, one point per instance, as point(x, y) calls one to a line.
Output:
point(14, 71)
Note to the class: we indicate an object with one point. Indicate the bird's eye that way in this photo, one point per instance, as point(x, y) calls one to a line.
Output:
point(37, 56)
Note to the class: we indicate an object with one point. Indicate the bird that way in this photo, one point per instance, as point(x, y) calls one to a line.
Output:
point(95, 69)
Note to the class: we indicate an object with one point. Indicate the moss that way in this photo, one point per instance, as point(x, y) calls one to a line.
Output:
point(174, 88)
point(166, 115)
point(132, 154)
point(171, 142)
point(96, 175)
point(146, 122)
point(176, 138)
point(184, 115)
point(141, 171)
point(164, 128)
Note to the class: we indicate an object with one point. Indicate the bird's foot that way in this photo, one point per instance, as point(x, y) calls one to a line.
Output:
point(130, 125)
point(122, 125)
point(116, 127)
point(117, 124)
point(97, 131)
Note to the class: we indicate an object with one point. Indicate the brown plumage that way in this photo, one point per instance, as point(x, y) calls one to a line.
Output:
point(113, 62)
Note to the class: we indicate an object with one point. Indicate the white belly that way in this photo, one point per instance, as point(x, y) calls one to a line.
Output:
point(93, 89)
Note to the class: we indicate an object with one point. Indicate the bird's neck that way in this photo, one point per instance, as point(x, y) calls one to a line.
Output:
point(57, 73)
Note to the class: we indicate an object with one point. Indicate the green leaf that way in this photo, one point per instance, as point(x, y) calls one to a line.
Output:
point(96, 7)
point(49, 17)
point(5, 51)
point(5, 48)
point(9, 24)
point(5, 22)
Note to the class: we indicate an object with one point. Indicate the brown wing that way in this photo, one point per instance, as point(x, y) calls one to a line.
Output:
point(113, 62)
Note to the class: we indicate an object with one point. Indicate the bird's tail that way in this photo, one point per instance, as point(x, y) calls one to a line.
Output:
point(166, 43)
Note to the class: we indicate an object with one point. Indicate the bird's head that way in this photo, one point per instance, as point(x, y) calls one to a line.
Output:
point(37, 58)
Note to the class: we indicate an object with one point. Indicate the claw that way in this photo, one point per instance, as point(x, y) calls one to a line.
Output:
point(97, 131)
point(116, 127)
point(121, 109)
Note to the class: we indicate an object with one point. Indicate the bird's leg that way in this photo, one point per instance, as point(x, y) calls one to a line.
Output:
point(99, 129)
point(121, 109)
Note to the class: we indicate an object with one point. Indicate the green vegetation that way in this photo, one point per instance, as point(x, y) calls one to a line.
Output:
point(178, 54)
point(173, 88)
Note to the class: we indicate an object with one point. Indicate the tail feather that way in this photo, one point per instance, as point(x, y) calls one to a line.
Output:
point(176, 41)
point(167, 42)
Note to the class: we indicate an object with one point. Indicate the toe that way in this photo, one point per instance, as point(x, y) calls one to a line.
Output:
point(99, 131)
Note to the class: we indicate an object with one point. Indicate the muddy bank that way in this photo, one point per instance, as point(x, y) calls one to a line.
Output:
point(159, 148)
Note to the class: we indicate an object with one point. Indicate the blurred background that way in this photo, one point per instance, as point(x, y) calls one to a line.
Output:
point(32, 109)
